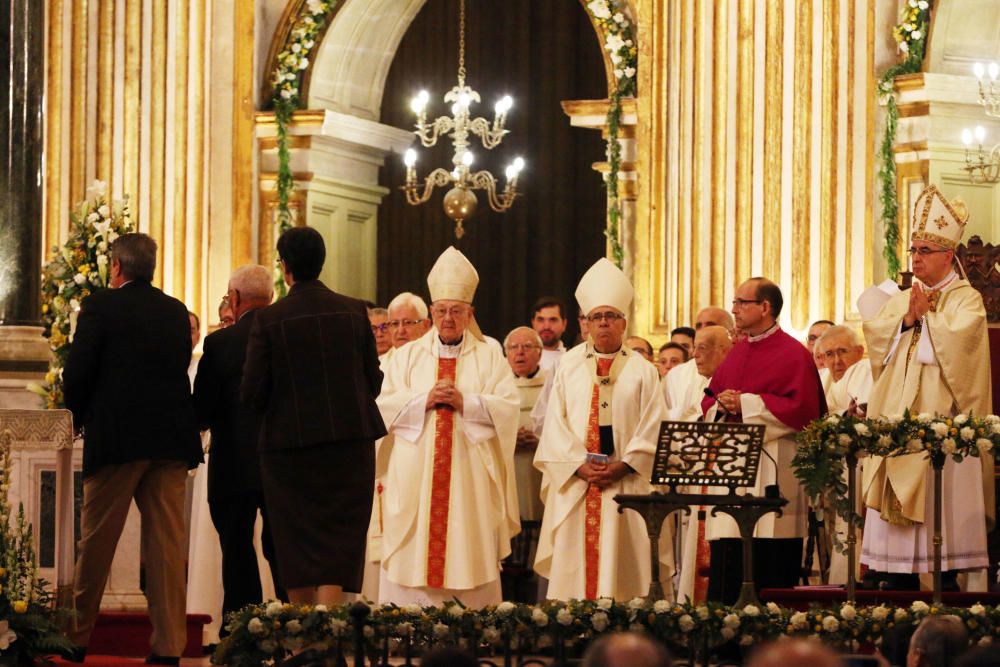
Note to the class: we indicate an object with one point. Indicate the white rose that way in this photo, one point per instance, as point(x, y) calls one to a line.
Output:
point(599, 9)
point(899, 615)
point(948, 446)
point(848, 613)
point(321, 608)
point(605, 603)
point(940, 429)
point(440, 629)
point(919, 607)
point(833, 419)
point(685, 623)
point(731, 621)
point(661, 606)
point(613, 43)
point(751, 610)
point(967, 433)
point(799, 620)
point(922, 5)
point(286, 93)
point(113, 235)
point(540, 618)
point(977, 610)
point(728, 633)
point(773, 609)
point(506, 608)
point(702, 612)
point(564, 617)
point(293, 626)
point(315, 6)
point(93, 217)
point(296, 48)
point(984, 445)
point(924, 417)
point(880, 613)
point(629, 72)
point(996, 428)
point(413, 609)
point(746, 640)
point(599, 621)
point(636, 603)
point(616, 58)
point(104, 210)
point(618, 73)
point(916, 34)
point(831, 624)
point(960, 419)
point(455, 610)
point(274, 609)
point(79, 279)
point(844, 440)
point(618, 17)
point(255, 626)
point(862, 429)
point(913, 3)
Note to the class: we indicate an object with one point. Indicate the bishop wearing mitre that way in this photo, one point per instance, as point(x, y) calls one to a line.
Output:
point(449, 506)
point(600, 435)
point(929, 354)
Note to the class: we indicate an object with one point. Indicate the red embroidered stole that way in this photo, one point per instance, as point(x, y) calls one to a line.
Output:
point(444, 428)
point(592, 528)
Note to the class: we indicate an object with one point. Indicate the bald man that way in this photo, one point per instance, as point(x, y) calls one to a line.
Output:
point(687, 374)
point(713, 316)
point(626, 649)
point(684, 394)
point(794, 653)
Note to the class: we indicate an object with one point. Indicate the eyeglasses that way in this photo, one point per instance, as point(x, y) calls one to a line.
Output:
point(395, 324)
point(454, 312)
point(517, 347)
point(380, 328)
point(739, 303)
point(923, 252)
point(610, 317)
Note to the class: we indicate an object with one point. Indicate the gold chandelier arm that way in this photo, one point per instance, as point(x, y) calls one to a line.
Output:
point(429, 135)
point(491, 136)
point(483, 180)
point(437, 178)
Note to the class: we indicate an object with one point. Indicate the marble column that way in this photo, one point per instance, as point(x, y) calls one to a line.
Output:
point(23, 351)
point(22, 43)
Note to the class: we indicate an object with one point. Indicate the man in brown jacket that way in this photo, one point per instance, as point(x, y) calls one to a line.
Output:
point(313, 372)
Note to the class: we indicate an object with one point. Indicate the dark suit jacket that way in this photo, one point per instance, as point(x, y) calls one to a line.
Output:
point(312, 369)
point(233, 467)
point(126, 379)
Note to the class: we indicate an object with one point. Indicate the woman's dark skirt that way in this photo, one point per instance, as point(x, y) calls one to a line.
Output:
point(319, 502)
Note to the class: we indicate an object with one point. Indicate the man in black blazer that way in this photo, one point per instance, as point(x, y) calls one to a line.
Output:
point(313, 372)
point(234, 491)
point(126, 383)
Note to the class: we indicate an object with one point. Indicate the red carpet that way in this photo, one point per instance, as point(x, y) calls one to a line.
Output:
point(801, 599)
point(119, 634)
point(103, 661)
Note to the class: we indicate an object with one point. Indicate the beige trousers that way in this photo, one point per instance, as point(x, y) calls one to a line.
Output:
point(158, 488)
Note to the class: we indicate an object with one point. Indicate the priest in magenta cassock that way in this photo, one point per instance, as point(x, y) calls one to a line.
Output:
point(771, 379)
point(605, 403)
point(449, 506)
point(930, 355)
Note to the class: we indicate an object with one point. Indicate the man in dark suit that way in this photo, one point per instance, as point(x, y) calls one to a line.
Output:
point(313, 371)
point(126, 382)
point(234, 491)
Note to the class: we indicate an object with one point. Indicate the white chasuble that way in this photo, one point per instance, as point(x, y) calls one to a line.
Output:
point(449, 503)
point(585, 543)
point(940, 367)
point(856, 383)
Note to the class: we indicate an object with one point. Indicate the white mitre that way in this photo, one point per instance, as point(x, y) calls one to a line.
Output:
point(452, 278)
point(604, 284)
point(937, 220)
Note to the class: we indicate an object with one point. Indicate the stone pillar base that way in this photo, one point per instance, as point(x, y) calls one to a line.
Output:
point(24, 358)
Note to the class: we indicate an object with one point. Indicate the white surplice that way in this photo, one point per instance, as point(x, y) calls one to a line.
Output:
point(636, 412)
point(482, 508)
point(683, 390)
point(856, 383)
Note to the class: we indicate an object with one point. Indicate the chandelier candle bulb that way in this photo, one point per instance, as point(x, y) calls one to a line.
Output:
point(967, 137)
point(980, 134)
point(994, 70)
point(979, 70)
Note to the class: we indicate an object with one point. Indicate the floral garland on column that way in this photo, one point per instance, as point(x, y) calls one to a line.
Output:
point(620, 42)
point(74, 272)
point(292, 62)
point(911, 36)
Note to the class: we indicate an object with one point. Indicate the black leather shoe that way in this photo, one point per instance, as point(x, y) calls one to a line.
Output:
point(949, 582)
point(76, 654)
point(901, 582)
point(163, 660)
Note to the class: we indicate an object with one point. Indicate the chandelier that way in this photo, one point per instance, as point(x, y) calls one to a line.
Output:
point(982, 165)
point(460, 201)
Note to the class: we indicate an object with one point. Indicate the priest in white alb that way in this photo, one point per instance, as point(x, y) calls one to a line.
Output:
point(449, 507)
point(930, 354)
point(850, 373)
point(600, 436)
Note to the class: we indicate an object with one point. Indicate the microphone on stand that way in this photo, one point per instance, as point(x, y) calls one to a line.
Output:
point(771, 490)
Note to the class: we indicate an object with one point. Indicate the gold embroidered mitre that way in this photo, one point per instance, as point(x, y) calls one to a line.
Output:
point(937, 220)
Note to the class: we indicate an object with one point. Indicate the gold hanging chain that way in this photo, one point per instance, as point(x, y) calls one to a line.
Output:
point(461, 42)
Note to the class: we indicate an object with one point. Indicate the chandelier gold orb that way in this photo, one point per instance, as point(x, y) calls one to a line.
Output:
point(460, 202)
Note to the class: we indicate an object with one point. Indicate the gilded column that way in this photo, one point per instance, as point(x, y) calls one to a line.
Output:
point(243, 139)
point(21, 103)
point(55, 209)
point(720, 101)
point(828, 158)
point(744, 138)
point(104, 145)
point(849, 166)
point(79, 90)
point(157, 133)
point(702, 8)
point(133, 101)
point(197, 151)
point(181, 59)
point(774, 94)
point(801, 154)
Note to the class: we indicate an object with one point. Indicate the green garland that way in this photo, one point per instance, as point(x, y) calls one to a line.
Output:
point(292, 62)
point(261, 633)
point(825, 444)
point(911, 36)
point(620, 42)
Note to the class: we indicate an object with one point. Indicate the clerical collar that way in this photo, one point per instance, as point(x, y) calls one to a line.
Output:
point(531, 374)
point(774, 328)
point(944, 283)
point(444, 344)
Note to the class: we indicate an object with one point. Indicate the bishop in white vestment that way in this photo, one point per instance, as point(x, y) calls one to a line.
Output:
point(449, 507)
point(600, 436)
point(929, 352)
